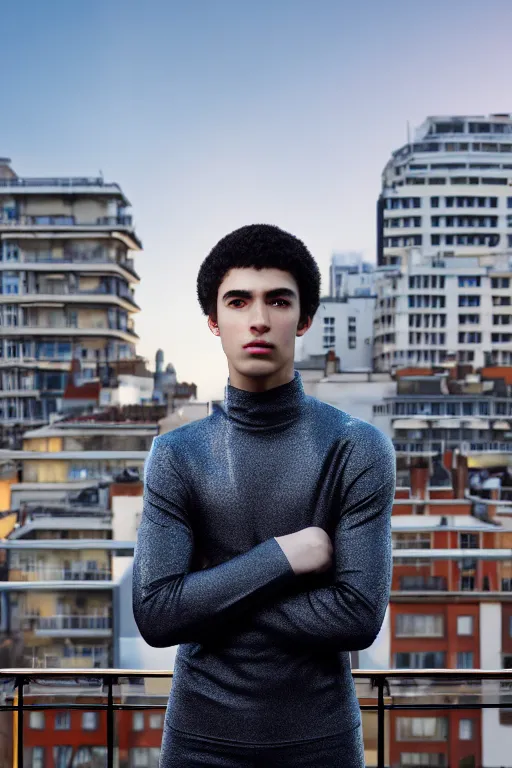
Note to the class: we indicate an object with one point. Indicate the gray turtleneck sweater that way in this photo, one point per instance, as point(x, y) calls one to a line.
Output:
point(263, 654)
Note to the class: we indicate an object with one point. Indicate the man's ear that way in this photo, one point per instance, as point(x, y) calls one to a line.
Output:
point(304, 326)
point(212, 325)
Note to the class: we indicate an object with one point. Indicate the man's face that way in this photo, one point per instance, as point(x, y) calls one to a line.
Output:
point(258, 305)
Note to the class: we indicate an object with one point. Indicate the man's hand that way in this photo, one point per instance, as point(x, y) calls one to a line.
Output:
point(308, 551)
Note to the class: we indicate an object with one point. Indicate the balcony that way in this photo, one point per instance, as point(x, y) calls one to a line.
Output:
point(63, 224)
point(423, 584)
point(65, 221)
point(77, 625)
point(125, 708)
point(465, 446)
point(50, 573)
point(59, 183)
point(66, 293)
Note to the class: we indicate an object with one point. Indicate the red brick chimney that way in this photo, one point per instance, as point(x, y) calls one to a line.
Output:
point(331, 363)
point(419, 473)
point(460, 476)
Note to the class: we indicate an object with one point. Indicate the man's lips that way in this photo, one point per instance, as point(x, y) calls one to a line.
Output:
point(258, 345)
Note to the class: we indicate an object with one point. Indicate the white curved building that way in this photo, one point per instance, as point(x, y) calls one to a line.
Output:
point(444, 246)
point(66, 287)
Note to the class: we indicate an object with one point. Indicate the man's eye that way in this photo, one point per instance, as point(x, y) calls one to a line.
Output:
point(283, 301)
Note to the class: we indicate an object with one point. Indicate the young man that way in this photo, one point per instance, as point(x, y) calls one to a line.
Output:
point(265, 543)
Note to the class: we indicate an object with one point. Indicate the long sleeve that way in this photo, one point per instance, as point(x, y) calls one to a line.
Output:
point(348, 614)
point(172, 605)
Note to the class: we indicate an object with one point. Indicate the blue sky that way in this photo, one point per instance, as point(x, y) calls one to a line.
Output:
point(213, 113)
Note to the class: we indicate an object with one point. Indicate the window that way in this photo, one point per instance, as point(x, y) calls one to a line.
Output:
point(470, 337)
point(421, 728)
point(468, 281)
point(467, 583)
point(420, 660)
point(156, 721)
point(418, 625)
point(90, 721)
point(37, 757)
point(465, 660)
point(464, 625)
point(144, 757)
point(429, 759)
point(37, 720)
point(469, 541)
point(62, 721)
point(469, 319)
point(10, 252)
point(62, 756)
point(411, 540)
point(10, 284)
point(352, 344)
point(469, 301)
point(465, 730)
point(138, 721)
point(500, 282)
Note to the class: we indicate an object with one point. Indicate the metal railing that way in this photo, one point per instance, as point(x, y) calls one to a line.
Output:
point(467, 690)
point(66, 221)
point(71, 622)
point(22, 573)
point(72, 181)
point(467, 446)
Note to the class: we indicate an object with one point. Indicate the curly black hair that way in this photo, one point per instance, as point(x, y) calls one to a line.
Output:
point(260, 246)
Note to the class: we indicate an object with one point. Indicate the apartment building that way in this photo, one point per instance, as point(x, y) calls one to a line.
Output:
point(449, 189)
point(76, 511)
point(445, 246)
point(434, 310)
point(343, 323)
point(454, 409)
point(451, 607)
point(67, 282)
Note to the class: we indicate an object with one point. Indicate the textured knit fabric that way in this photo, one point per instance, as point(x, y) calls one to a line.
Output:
point(343, 750)
point(263, 656)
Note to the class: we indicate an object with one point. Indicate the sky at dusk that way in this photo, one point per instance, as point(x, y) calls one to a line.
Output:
point(212, 114)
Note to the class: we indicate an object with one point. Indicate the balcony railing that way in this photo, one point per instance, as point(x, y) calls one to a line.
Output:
point(63, 182)
point(466, 446)
point(67, 622)
point(60, 574)
point(65, 221)
point(112, 692)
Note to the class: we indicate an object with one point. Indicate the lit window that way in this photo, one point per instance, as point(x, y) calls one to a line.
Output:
point(37, 720)
point(90, 721)
point(156, 721)
point(464, 625)
point(465, 730)
point(138, 721)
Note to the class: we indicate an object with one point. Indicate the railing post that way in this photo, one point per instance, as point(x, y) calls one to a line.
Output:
point(20, 682)
point(380, 723)
point(110, 722)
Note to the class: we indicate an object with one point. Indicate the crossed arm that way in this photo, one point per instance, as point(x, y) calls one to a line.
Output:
point(172, 605)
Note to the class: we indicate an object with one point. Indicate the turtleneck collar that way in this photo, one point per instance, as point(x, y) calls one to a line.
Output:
point(274, 408)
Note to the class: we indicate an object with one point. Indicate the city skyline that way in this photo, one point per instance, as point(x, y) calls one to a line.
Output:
point(214, 116)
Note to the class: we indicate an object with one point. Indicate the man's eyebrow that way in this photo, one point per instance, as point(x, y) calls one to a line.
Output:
point(243, 294)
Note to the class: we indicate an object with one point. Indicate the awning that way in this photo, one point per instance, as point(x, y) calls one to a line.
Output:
point(475, 423)
point(410, 424)
point(501, 425)
point(447, 423)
